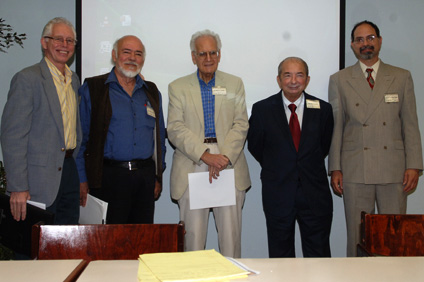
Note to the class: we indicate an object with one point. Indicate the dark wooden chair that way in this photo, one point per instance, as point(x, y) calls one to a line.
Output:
point(391, 235)
point(105, 241)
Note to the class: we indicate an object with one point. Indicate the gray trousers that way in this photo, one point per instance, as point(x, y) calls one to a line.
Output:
point(358, 197)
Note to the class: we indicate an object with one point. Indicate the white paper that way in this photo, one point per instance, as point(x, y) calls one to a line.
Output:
point(242, 265)
point(37, 204)
point(221, 192)
point(94, 211)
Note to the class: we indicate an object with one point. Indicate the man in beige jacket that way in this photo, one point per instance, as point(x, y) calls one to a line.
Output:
point(208, 124)
point(375, 155)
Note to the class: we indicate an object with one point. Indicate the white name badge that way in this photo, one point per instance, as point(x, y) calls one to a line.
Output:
point(150, 111)
point(391, 98)
point(313, 104)
point(219, 90)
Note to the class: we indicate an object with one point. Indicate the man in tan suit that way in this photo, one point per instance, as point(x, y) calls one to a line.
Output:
point(375, 155)
point(208, 124)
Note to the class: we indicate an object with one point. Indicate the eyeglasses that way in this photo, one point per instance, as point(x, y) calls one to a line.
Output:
point(58, 40)
point(212, 54)
point(361, 40)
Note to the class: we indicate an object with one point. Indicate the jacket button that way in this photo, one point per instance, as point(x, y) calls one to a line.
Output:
point(63, 149)
point(385, 147)
point(59, 169)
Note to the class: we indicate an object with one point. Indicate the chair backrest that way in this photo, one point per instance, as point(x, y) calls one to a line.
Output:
point(105, 241)
point(393, 234)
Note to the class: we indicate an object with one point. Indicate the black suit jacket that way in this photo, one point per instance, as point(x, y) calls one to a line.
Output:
point(271, 143)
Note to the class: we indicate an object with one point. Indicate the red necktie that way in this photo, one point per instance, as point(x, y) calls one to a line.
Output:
point(370, 79)
point(294, 126)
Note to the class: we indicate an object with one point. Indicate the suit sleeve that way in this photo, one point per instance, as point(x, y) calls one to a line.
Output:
point(255, 136)
point(162, 132)
point(15, 128)
point(178, 133)
point(236, 136)
point(334, 158)
point(327, 131)
point(85, 117)
point(410, 129)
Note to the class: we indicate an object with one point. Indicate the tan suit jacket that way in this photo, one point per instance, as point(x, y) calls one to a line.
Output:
point(186, 129)
point(376, 134)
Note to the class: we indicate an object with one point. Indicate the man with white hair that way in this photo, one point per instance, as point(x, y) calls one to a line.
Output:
point(40, 130)
point(122, 155)
point(207, 122)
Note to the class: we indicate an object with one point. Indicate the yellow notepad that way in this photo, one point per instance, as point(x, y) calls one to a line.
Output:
point(207, 265)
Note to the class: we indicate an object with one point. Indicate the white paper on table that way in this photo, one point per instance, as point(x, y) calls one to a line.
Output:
point(221, 192)
point(94, 211)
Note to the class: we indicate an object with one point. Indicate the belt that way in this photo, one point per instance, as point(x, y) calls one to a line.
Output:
point(130, 165)
point(210, 140)
point(69, 153)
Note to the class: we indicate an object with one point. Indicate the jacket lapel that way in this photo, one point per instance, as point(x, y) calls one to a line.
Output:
point(196, 97)
point(52, 98)
point(218, 98)
point(280, 117)
point(382, 83)
point(359, 84)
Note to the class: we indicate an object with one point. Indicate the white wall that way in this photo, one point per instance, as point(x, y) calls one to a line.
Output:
point(400, 23)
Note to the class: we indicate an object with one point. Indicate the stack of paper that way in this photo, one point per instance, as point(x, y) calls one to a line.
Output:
point(206, 265)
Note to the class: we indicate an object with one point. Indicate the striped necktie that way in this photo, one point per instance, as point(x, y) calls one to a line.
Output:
point(370, 79)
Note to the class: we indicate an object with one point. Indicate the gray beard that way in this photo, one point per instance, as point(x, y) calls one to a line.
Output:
point(127, 73)
point(367, 56)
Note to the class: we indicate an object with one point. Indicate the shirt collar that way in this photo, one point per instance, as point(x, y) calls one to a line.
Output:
point(298, 102)
point(52, 67)
point(374, 67)
point(210, 83)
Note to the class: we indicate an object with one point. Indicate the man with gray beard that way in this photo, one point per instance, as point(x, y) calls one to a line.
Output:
point(122, 155)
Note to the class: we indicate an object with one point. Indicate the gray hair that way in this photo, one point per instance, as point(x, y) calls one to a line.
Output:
point(294, 59)
point(115, 45)
point(47, 30)
point(202, 33)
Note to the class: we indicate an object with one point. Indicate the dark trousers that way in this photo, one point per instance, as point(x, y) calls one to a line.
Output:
point(66, 205)
point(314, 231)
point(129, 193)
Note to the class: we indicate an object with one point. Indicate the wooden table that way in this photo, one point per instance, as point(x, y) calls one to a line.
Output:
point(40, 270)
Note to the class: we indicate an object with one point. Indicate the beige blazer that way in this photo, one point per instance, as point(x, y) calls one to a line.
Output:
point(186, 129)
point(376, 134)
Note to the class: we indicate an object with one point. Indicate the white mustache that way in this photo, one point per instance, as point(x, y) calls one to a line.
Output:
point(131, 63)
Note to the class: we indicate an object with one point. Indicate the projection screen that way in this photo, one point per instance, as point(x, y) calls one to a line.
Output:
point(256, 36)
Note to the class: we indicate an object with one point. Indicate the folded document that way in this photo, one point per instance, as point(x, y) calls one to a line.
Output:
point(94, 211)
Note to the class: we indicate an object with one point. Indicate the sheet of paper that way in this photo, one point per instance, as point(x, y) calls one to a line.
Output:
point(207, 265)
point(37, 204)
point(221, 192)
point(94, 211)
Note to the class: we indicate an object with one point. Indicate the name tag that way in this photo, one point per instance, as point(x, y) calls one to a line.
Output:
point(150, 111)
point(391, 98)
point(313, 104)
point(219, 90)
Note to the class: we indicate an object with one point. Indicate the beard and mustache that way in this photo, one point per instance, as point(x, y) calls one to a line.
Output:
point(129, 73)
point(368, 54)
